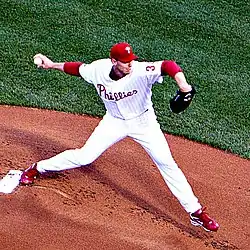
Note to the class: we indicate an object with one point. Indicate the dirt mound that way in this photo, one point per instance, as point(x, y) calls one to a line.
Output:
point(120, 201)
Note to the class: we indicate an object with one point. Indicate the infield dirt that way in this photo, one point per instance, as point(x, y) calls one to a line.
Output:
point(120, 201)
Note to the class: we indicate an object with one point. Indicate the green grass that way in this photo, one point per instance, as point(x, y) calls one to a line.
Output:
point(209, 39)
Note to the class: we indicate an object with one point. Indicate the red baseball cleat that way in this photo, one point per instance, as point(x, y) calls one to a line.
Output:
point(29, 175)
point(201, 218)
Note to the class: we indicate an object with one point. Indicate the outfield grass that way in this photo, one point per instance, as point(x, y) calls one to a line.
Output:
point(209, 39)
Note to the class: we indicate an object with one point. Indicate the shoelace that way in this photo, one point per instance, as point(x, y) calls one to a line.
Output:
point(31, 173)
point(204, 216)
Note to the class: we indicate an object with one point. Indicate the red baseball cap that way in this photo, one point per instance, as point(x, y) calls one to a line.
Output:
point(122, 52)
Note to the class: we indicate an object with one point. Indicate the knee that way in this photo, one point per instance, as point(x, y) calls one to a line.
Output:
point(83, 157)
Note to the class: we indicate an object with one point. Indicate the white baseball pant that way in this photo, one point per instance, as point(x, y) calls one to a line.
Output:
point(143, 129)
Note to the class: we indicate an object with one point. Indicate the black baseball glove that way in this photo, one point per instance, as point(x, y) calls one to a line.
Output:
point(181, 100)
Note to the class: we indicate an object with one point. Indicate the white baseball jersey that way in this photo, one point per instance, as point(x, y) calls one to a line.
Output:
point(125, 99)
point(129, 96)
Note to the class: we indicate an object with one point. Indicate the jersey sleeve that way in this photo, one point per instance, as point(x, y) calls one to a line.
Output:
point(87, 72)
point(152, 70)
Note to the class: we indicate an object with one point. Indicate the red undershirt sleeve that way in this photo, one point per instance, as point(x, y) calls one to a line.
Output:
point(72, 68)
point(170, 68)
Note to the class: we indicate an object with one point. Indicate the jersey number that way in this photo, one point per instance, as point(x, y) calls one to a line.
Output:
point(150, 68)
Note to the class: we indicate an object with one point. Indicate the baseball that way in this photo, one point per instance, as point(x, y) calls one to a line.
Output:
point(38, 61)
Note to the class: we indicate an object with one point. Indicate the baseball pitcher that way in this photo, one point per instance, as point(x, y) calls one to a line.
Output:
point(125, 87)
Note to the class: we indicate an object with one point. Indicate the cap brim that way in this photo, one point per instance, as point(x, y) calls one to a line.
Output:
point(129, 59)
